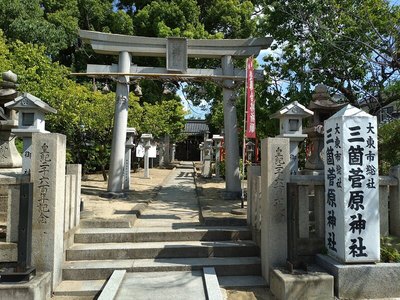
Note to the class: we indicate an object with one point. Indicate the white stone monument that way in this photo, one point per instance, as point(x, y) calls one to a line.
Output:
point(352, 232)
point(146, 139)
point(290, 126)
point(31, 114)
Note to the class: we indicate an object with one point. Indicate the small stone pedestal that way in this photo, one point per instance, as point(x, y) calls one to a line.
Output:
point(314, 284)
point(38, 288)
point(363, 281)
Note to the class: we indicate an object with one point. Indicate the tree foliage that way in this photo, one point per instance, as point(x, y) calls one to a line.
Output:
point(83, 115)
point(389, 141)
point(350, 46)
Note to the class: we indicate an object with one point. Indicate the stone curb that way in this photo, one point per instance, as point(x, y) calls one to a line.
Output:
point(111, 288)
point(211, 284)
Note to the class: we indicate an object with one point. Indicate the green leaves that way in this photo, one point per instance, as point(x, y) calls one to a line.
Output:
point(389, 139)
point(346, 45)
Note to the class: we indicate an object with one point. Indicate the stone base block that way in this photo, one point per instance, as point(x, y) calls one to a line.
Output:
point(39, 288)
point(370, 281)
point(301, 285)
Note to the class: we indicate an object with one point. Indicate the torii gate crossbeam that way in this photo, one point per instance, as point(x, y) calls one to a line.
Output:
point(176, 51)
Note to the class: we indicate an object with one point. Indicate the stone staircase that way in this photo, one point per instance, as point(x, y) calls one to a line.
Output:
point(97, 252)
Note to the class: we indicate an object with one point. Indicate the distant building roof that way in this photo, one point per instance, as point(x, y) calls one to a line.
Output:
point(196, 127)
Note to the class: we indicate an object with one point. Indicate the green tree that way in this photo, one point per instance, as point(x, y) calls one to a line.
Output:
point(30, 21)
point(350, 46)
point(84, 116)
point(165, 118)
point(389, 151)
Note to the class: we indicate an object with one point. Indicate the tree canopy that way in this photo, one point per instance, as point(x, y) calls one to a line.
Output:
point(350, 46)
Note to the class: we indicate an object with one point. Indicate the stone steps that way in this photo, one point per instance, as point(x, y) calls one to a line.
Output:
point(159, 234)
point(102, 269)
point(183, 249)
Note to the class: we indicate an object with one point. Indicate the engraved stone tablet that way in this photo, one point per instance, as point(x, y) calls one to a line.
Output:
point(177, 55)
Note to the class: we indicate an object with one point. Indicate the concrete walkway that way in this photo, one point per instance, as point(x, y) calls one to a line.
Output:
point(162, 285)
point(175, 207)
point(176, 204)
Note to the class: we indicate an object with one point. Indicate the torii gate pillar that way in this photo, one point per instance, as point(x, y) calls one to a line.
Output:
point(120, 125)
point(232, 172)
point(226, 50)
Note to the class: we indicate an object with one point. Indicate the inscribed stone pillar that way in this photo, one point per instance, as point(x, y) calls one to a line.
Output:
point(275, 174)
point(232, 173)
point(48, 177)
point(120, 125)
point(352, 232)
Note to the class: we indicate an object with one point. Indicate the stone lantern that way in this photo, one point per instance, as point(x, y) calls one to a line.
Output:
point(129, 145)
point(207, 158)
point(31, 114)
point(146, 140)
point(218, 141)
point(9, 156)
point(290, 126)
point(250, 151)
point(323, 108)
point(201, 148)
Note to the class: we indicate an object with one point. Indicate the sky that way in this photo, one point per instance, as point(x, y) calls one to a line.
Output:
point(195, 112)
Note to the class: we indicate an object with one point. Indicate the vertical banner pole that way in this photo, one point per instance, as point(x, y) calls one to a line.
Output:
point(244, 133)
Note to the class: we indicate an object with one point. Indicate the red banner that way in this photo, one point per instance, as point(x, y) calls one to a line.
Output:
point(251, 101)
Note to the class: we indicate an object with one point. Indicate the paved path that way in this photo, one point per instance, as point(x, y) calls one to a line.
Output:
point(162, 286)
point(176, 204)
point(175, 207)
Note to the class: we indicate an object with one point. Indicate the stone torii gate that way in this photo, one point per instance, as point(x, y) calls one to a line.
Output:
point(176, 51)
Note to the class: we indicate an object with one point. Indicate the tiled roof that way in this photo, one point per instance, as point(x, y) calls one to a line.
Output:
point(196, 127)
